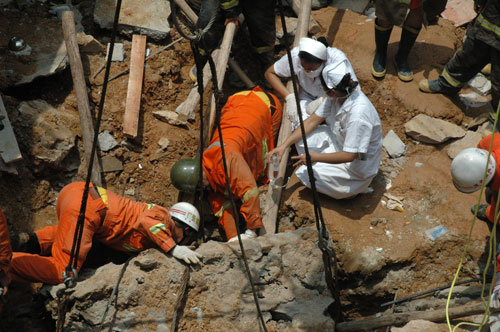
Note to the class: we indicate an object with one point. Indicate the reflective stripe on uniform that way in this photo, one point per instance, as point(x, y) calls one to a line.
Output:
point(264, 49)
point(158, 227)
point(151, 205)
point(488, 25)
point(264, 155)
point(250, 194)
point(261, 94)
point(103, 194)
point(129, 247)
point(452, 81)
point(226, 205)
point(381, 28)
point(216, 143)
point(229, 4)
point(411, 29)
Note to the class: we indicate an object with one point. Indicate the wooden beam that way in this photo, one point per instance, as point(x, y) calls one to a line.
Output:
point(314, 27)
point(134, 91)
point(271, 202)
point(86, 120)
point(9, 150)
point(403, 318)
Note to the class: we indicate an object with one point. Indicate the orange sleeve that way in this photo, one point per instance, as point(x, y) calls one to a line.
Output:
point(156, 224)
point(5, 248)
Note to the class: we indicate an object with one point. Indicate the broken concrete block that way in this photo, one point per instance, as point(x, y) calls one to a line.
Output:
point(111, 164)
point(118, 52)
point(473, 99)
point(481, 84)
point(145, 17)
point(163, 142)
point(485, 129)
point(430, 130)
point(88, 44)
point(106, 141)
point(291, 26)
point(393, 145)
point(477, 121)
point(170, 117)
point(459, 12)
point(470, 140)
point(52, 138)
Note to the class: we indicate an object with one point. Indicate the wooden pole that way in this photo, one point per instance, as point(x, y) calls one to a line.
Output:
point(134, 91)
point(86, 120)
point(403, 318)
point(272, 198)
point(313, 25)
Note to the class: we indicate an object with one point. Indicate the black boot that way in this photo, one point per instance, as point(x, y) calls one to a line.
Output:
point(26, 242)
point(382, 36)
point(408, 38)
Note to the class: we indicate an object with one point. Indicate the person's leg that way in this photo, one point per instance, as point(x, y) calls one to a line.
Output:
point(35, 268)
point(261, 22)
point(212, 37)
point(45, 238)
point(495, 80)
point(409, 34)
point(383, 31)
point(464, 65)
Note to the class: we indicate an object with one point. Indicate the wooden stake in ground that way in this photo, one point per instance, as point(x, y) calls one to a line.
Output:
point(272, 198)
point(86, 120)
point(403, 318)
point(134, 92)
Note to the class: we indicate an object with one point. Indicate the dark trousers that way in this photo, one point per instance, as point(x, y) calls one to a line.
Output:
point(467, 62)
point(259, 17)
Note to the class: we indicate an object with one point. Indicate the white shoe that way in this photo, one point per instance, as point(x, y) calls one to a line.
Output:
point(249, 234)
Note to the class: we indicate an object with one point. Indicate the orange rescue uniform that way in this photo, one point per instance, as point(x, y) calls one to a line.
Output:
point(5, 250)
point(495, 182)
point(249, 123)
point(127, 226)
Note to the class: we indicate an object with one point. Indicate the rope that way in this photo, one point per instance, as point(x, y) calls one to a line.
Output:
point(327, 251)
point(492, 248)
point(196, 39)
point(70, 274)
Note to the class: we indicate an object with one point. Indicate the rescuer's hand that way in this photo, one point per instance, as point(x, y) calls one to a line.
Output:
point(291, 108)
point(187, 255)
point(495, 295)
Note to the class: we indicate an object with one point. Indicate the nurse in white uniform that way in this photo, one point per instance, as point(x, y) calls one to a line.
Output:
point(346, 166)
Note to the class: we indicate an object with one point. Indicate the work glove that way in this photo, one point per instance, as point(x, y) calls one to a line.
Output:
point(313, 105)
point(186, 254)
point(291, 108)
point(495, 295)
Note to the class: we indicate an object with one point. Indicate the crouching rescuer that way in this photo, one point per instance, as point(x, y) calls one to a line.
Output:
point(249, 121)
point(115, 221)
point(467, 170)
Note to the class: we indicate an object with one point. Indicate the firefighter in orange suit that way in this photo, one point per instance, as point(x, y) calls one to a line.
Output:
point(250, 121)
point(5, 254)
point(115, 221)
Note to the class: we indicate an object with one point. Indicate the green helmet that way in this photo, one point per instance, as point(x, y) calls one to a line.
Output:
point(184, 174)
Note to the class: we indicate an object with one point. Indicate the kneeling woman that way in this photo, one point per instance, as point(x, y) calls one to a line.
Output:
point(346, 166)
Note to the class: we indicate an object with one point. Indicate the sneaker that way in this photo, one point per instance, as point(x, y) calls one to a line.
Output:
point(249, 234)
point(481, 212)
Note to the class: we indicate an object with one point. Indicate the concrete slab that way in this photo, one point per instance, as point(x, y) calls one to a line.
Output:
point(459, 12)
point(145, 17)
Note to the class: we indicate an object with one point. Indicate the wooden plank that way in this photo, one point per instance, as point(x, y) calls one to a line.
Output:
point(86, 120)
point(9, 150)
point(271, 201)
point(134, 91)
point(403, 318)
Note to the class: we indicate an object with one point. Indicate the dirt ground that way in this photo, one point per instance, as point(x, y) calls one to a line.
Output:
point(371, 240)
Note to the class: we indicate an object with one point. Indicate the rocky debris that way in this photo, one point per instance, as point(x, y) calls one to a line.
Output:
point(170, 117)
point(111, 164)
point(106, 141)
point(485, 129)
point(459, 12)
point(163, 142)
point(87, 44)
point(146, 17)
point(419, 326)
point(291, 27)
point(481, 84)
point(477, 121)
point(289, 278)
point(431, 130)
point(48, 51)
point(470, 140)
point(393, 145)
point(118, 52)
point(51, 134)
point(473, 99)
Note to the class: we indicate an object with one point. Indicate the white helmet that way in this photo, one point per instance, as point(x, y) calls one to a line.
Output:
point(186, 213)
point(467, 169)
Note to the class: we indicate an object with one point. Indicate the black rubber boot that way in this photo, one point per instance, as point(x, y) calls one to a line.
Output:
point(408, 37)
point(481, 212)
point(382, 36)
point(26, 242)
